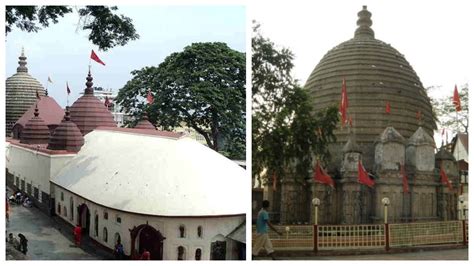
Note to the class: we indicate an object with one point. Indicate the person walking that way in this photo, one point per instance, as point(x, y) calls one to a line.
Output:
point(23, 243)
point(13, 241)
point(118, 251)
point(145, 255)
point(262, 240)
point(77, 235)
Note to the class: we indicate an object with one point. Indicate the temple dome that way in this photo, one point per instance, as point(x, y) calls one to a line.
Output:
point(20, 93)
point(420, 137)
point(375, 73)
point(88, 112)
point(51, 113)
point(144, 123)
point(66, 136)
point(36, 131)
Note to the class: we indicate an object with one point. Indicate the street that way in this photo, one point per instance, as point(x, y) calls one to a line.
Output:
point(45, 240)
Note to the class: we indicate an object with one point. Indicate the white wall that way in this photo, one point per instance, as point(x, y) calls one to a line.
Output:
point(168, 227)
point(36, 168)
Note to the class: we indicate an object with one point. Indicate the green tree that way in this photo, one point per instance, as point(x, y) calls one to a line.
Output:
point(107, 29)
point(446, 114)
point(286, 132)
point(203, 87)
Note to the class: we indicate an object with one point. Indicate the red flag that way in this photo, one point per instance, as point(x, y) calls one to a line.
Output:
point(274, 181)
point(364, 176)
point(67, 89)
point(149, 97)
point(96, 58)
point(321, 176)
point(444, 178)
point(344, 103)
point(387, 107)
point(107, 102)
point(404, 178)
point(418, 115)
point(456, 99)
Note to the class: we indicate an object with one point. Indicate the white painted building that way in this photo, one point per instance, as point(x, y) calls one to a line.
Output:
point(156, 190)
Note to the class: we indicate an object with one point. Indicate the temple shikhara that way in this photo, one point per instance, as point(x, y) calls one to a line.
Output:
point(149, 190)
point(391, 132)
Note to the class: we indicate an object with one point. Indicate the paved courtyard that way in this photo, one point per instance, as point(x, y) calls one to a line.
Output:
point(45, 238)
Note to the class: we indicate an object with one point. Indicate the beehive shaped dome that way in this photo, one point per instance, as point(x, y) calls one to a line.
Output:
point(144, 123)
point(88, 112)
point(66, 136)
point(20, 93)
point(36, 131)
point(375, 73)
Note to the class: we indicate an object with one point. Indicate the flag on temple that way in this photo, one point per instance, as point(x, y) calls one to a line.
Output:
point(364, 176)
point(107, 102)
point(444, 178)
point(67, 89)
point(418, 115)
point(344, 103)
point(456, 99)
point(321, 176)
point(404, 178)
point(49, 79)
point(149, 97)
point(96, 58)
point(387, 107)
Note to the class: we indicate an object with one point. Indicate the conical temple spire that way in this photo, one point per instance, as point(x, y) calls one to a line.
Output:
point(22, 62)
point(36, 111)
point(89, 89)
point(364, 22)
point(67, 116)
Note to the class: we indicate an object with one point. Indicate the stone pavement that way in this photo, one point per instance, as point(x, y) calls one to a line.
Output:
point(450, 254)
point(46, 238)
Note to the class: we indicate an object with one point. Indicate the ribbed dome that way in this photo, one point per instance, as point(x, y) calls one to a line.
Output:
point(88, 112)
point(20, 92)
point(66, 136)
point(36, 131)
point(144, 123)
point(375, 73)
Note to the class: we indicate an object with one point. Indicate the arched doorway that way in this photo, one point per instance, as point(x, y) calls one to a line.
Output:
point(218, 248)
point(146, 237)
point(84, 218)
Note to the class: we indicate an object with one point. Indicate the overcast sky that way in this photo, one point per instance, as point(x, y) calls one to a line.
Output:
point(63, 54)
point(435, 36)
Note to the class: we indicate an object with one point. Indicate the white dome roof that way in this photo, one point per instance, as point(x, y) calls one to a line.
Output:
point(155, 175)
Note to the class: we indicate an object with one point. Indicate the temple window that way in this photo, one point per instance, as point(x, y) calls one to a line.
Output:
point(181, 253)
point(197, 256)
point(104, 234)
point(182, 231)
point(199, 231)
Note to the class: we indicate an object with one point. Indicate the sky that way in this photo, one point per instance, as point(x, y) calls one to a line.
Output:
point(435, 36)
point(62, 53)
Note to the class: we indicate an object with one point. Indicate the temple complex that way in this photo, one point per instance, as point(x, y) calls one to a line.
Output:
point(375, 74)
point(149, 190)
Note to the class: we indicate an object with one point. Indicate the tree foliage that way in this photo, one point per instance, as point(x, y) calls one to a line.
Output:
point(445, 112)
point(107, 29)
point(286, 133)
point(203, 87)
